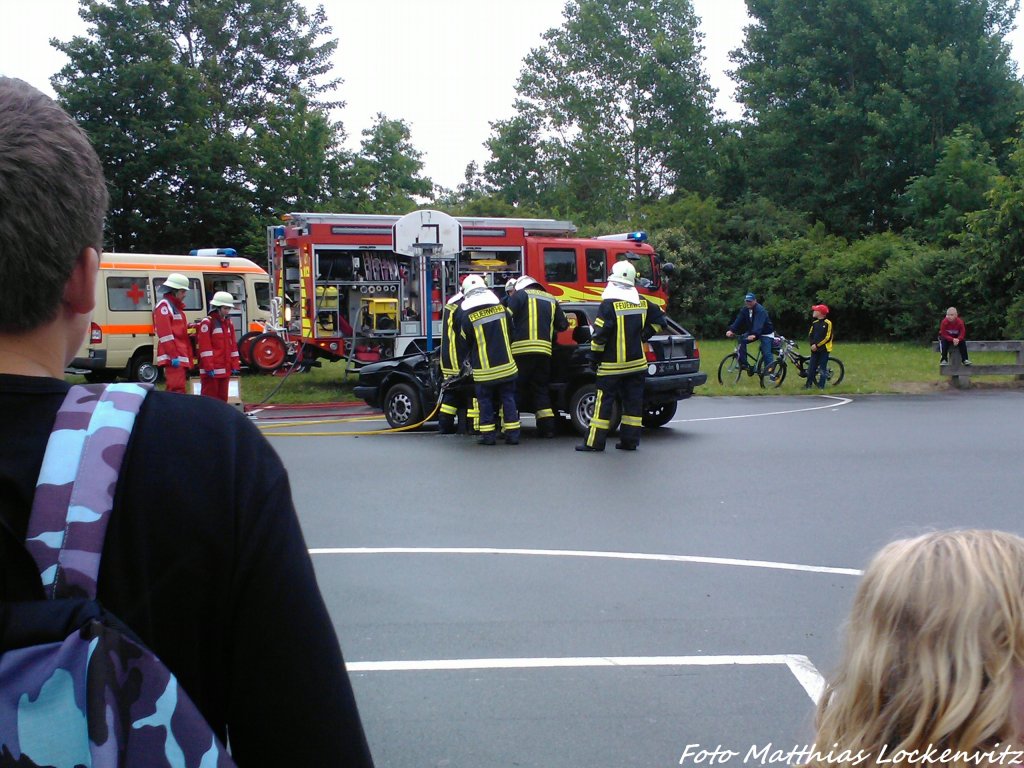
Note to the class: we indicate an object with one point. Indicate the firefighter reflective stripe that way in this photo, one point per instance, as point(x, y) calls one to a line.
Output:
point(617, 342)
point(450, 353)
point(487, 330)
point(536, 316)
point(545, 413)
point(632, 421)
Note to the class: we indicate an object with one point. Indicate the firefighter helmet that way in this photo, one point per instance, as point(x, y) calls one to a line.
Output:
point(222, 299)
point(510, 284)
point(623, 273)
point(176, 282)
point(525, 282)
point(472, 284)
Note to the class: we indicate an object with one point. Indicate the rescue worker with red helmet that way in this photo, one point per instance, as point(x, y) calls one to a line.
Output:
point(173, 348)
point(452, 355)
point(536, 316)
point(484, 326)
point(623, 320)
point(218, 347)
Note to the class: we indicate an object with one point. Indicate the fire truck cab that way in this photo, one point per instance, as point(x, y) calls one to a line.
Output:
point(345, 291)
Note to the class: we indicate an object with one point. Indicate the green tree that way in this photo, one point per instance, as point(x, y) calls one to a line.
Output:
point(198, 109)
point(849, 99)
point(386, 171)
point(613, 107)
point(934, 204)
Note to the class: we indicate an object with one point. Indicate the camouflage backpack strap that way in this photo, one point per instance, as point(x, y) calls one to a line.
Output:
point(75, 491)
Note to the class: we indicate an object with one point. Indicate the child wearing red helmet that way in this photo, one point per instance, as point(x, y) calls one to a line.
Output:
point(820, 338)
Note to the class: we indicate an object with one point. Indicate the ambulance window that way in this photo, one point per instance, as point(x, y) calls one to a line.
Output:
point(262, 295)
point(560, 265)
point(194, 296)
point(128, 294)
point(597, 265)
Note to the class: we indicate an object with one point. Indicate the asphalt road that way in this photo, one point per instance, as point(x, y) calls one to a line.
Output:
point(547, 608)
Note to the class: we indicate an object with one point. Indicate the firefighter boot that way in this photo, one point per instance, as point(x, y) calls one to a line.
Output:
point(546, 427)
point(487, 438)
point(626, 445)
point(512, 437)
point(445, 424)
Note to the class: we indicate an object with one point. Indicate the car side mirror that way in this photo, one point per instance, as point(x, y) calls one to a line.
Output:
point(581, 334)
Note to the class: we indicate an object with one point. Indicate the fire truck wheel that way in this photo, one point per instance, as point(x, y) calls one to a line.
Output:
point(402, 406)
point(141, 369)
point(268, 352)
point(245, 348)
point(581, 410)
point(659, 415)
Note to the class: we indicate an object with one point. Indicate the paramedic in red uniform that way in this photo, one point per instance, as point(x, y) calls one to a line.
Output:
point(218, 348)
point(173, 349)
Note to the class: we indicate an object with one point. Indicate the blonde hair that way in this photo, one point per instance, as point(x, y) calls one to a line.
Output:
point(934, 638)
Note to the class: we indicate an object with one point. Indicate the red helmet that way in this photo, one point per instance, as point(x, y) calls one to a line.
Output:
point(823, 308)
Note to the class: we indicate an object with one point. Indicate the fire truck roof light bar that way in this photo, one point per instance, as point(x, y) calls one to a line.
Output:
point(635, 237)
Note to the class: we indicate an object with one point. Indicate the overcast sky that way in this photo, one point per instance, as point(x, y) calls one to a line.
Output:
point(446, 67)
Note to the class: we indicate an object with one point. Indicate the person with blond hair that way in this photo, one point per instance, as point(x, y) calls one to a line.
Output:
point(932, 672)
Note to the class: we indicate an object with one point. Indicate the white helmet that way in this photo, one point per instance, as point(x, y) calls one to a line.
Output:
point(623, 273)
point(222, 299)
point(472, 284)
point(176, 282)
point(510, 284)
point(525, 282)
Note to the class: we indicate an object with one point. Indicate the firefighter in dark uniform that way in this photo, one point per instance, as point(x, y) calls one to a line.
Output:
point(452, 400)
point(537, 316)
point(484, 325)
point(617, 346)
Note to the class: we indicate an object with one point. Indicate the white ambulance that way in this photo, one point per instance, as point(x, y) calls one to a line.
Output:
point(121, 340)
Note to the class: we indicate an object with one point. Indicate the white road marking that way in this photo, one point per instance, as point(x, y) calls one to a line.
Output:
point(583, 553)
point(801, 667)
point(842, 401)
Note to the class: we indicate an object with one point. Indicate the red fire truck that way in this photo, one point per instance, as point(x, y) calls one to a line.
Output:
point(343, 291)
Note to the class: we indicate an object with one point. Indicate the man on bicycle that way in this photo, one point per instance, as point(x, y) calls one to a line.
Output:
point(753, 323)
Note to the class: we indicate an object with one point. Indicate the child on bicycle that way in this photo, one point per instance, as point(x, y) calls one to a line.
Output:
point(820, 338)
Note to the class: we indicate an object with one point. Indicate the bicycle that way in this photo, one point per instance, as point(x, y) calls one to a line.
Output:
point(786, 351)
point(730, 371)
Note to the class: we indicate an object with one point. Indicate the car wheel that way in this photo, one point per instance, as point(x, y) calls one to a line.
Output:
point(581, 410)
point(268, 352)
point(142, 369)
point(659, 415)
point(402, 406)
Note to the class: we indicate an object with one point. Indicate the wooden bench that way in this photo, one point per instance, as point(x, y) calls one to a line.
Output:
point(960, 374)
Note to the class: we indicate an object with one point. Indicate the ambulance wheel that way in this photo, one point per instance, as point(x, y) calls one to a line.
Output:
point(581, 410)
point(245, 348)
point(268, 352)
point(402, 406)
point(658, 415)
point(142, 369)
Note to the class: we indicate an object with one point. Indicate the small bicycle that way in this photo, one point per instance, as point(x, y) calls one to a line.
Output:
point(732, 368)
point(785, 348)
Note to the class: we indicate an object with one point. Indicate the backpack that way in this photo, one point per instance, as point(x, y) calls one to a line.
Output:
point(77, 687)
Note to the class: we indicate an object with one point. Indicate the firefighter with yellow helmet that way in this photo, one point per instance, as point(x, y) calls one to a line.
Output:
point(484, 325)
point(218, 347)
point(617, 347)
point(536, 316)
point(173, 348)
